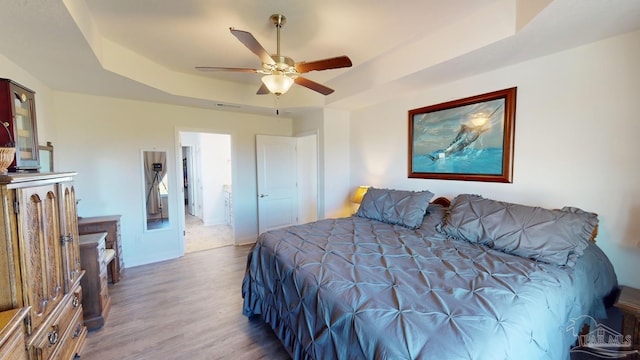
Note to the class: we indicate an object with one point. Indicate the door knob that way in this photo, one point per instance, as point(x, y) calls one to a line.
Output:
point(263, 195)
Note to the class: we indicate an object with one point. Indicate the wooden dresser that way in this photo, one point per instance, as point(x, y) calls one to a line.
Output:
point(40, 262)
point(111, 225)
point(95, 301)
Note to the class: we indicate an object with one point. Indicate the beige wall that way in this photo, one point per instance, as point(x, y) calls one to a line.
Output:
point(102, 139)
point(332, 128)
point(576, 140)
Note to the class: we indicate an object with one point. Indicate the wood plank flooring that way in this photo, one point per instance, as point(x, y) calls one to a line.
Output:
point(190, 308)
point(187, 308)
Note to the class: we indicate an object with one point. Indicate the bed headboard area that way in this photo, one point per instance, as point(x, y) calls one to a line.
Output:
point(442, 201)
point(554, 236)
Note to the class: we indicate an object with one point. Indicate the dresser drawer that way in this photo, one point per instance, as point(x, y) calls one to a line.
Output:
point(104, 287)
point(104, 279)
point(50, 338)
point(74, 338)
point(105, 301)
point(102, 268)
point(104, 297)
point(101, 249)
point(12, 334)
point(13, 348)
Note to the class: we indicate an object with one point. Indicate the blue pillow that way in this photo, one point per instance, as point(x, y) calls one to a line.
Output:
point(396, 207)
point(553, 236)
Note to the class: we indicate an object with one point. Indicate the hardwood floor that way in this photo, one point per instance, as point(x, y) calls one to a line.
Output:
point(187, 308)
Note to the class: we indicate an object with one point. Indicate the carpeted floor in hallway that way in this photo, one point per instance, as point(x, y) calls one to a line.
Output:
point(199, 237)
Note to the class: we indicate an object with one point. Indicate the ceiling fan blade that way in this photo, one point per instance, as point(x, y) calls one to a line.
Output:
point(263, 90)
point(325, 64)
point(252, 44)
point(309, 84)
point(218, 68)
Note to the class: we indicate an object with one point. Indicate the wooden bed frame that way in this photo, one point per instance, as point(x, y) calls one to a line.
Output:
point(443, 201)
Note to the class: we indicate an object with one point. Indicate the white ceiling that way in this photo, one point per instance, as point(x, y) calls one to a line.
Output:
point(147, 49)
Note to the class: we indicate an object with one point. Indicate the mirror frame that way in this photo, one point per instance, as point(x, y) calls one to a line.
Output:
point(45, 154)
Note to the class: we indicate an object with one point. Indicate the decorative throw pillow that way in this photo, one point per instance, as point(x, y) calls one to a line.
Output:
point(434, 216)
point(397, 207)
point(552, 236)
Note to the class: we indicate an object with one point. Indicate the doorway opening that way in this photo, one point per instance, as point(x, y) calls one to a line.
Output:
point(208, 195)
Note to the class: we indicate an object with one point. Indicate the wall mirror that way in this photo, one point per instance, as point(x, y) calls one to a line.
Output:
point(46, 157)
point(156, 189)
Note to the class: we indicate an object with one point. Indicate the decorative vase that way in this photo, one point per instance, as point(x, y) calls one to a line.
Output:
point(6, 158)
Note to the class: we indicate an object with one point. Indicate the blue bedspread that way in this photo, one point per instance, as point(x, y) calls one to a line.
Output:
point(355, 288)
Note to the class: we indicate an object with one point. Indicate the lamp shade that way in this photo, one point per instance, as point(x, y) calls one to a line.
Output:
point(359, 194)
point(277, 84)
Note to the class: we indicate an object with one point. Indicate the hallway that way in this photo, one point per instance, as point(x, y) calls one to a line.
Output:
point(199, 237)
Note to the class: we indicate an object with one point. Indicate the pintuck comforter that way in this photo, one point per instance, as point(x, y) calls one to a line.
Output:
point(356, 288)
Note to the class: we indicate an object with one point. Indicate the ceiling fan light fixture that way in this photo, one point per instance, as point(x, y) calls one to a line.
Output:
point(281, 72)
point(277, 84)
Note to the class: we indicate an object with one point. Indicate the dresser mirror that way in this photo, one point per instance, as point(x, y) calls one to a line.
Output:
point(156, 189)
point(46, 157)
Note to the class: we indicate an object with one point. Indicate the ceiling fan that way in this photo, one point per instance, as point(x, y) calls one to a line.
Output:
point(280, 72)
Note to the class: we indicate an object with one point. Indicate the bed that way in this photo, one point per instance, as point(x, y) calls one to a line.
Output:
point(408, 279)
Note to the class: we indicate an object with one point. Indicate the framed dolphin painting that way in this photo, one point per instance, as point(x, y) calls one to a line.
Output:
point(468, 139)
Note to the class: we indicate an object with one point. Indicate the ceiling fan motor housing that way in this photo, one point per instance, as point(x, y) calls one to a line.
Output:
point(284, 64)
point(278, 20)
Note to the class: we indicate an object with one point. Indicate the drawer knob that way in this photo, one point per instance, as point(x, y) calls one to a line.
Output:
point(77, 332)
point(53, 337)
point(75, 302)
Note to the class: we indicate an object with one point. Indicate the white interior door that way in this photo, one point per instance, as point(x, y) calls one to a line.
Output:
point(277, 182)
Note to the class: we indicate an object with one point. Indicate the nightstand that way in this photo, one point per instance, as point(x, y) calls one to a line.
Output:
point(629, 304)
